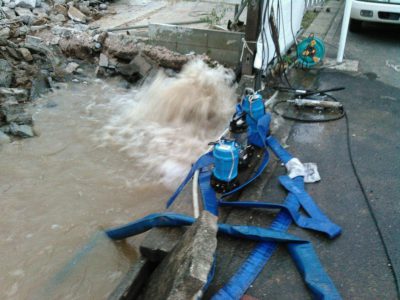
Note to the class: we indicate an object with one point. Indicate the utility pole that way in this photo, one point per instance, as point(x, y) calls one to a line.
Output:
point(251, 34)
point(345, 28)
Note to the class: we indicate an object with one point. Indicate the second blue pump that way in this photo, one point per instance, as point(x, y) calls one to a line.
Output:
point(253, 105)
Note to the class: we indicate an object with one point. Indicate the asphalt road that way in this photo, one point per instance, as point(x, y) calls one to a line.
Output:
point(377, 48)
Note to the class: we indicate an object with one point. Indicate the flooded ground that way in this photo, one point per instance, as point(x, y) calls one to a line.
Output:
point(105, 155)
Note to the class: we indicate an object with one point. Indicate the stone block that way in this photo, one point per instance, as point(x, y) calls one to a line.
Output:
point(184, 272)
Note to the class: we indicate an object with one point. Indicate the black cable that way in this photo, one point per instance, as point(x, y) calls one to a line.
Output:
point(367, 201)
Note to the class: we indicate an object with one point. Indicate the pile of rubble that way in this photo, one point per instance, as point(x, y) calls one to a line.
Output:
point(42, 43)
point(27, 65)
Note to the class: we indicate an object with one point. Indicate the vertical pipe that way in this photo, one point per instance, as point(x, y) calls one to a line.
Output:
point(343, 34)
point(196, 210)
point(254, 8)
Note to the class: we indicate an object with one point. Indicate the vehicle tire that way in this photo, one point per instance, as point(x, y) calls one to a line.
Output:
point(355, 25)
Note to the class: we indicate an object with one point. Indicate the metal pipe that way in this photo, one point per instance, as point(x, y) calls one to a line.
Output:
point(195, 192)
point(345, 28)
point(145, 26)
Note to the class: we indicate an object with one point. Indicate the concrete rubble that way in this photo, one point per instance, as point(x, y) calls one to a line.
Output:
point(184, 272)
point(43, 42)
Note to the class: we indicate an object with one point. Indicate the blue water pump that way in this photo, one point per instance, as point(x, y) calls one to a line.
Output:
point(225, 172)
point(253, 105)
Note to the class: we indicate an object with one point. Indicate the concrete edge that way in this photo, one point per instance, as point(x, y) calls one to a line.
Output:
point(132, 283)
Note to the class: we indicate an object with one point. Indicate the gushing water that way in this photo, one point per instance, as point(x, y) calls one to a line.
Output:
point(167, 124)
point(98, 161)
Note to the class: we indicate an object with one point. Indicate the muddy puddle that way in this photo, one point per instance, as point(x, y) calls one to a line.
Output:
point(105, 155)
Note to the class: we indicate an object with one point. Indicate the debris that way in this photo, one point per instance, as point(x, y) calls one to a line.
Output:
point(26, 54)
point(142, 65)
point(184, 272)
point(9, 12)
point(11, 5)
point(5, 33)
point(393, 66)
point(311, 173)
point(59, 18)
point(76, 15)
point(103, 6)
point(60, 9)
point(27, 3)
point(26, 15)
point(103, 60)
point(5, 74)
point(21, 118)
point(23, 131)
point(71, 67)
point(13, 95)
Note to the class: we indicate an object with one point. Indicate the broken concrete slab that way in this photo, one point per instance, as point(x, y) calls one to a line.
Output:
point(9, 12)
point(26, 54)
point(76, 15)
point(103, 60)
point(23, 131)
point(26, 3)
point(143, 66)
point(71, 67)
point(60, 9)
point(58, 18)
point(11, 5)
point(184, 272)
point(5, 33)
point(19, 118)
point(13, 95)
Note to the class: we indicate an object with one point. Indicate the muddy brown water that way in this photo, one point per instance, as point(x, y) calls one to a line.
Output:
point(104, 156)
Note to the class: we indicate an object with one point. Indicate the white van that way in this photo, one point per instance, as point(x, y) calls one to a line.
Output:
point(382, 11)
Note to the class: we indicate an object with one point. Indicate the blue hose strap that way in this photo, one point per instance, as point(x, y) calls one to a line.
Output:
point(312, 271)
point(169, 219)
point(300, 220)
point(283, 155)
point(166, 219)
point(259, 171)
point(209, 197)
point(258, 138)
point(247, 273)
point(204, 160)
point(301, 250)
point(254, 264)
point(305, 200)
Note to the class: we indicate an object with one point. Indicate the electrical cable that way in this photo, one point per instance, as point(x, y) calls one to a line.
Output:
point(369, 206)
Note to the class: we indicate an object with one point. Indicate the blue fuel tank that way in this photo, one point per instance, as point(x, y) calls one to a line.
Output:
point(253, 105)
point(226, 155)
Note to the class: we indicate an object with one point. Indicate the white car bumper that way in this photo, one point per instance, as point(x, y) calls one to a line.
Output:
point(381, 12)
